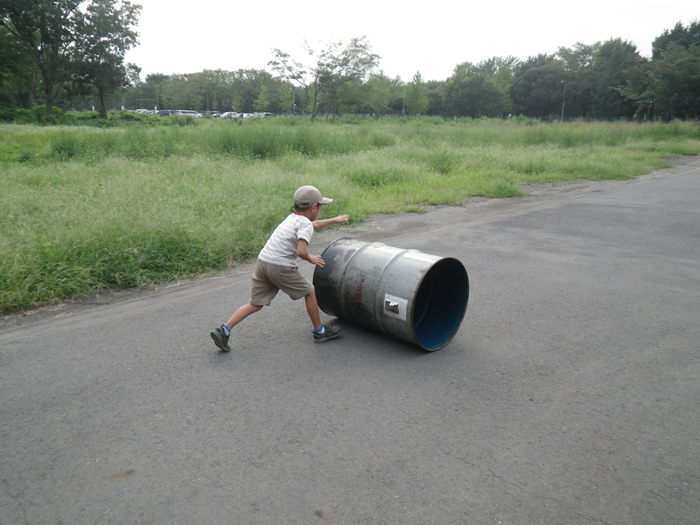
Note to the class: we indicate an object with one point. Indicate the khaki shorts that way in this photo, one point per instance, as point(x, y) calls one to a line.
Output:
point(268, 279)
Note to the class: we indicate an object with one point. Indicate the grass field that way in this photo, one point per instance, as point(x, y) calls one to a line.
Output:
point(84, 208)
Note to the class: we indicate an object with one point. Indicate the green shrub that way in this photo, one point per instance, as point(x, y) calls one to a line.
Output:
point(443, 161)
point(373, 178)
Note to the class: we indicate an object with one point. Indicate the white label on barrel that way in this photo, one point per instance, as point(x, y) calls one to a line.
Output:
point(395, 306)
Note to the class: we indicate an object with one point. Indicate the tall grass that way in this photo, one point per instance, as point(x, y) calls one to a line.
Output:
point(254, 140)
point(84, 208)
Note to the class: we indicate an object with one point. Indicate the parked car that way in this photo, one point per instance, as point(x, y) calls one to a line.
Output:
point(230, 114)
point(188, 113)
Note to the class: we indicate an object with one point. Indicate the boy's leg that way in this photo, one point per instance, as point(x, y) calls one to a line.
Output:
point(312, 309)
point(242, 312)
point(262, 292)
point(221, 334)
point(294, 284)
point(322, 333)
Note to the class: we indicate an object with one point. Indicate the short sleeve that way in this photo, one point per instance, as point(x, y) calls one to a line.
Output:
point(306, 231)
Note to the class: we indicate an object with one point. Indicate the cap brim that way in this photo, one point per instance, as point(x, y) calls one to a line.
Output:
point(325, 200)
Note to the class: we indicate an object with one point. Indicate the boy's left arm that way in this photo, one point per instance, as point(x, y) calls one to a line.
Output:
point(335, 220)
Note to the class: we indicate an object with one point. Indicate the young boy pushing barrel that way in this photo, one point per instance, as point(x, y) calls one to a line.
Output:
point(276, 268)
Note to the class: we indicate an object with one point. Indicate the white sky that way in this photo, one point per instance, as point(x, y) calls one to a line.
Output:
point(430, 37)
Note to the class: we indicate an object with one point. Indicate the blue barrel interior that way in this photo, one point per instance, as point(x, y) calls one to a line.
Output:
point(440, 303)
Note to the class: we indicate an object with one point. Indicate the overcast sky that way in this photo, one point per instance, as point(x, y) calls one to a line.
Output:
point(431, 37)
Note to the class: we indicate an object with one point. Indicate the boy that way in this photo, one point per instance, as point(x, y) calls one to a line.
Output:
point(276, 268)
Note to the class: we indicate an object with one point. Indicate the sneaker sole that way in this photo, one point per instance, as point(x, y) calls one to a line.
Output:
point(223, 346)
point(325, 338)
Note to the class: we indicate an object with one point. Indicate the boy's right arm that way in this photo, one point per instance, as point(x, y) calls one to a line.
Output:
point(318, 224)
point(303, 253)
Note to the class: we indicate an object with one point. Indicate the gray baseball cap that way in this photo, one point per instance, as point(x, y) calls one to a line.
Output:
point(308, 196)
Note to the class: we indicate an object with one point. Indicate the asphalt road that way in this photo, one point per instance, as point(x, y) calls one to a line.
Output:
point(570, 395)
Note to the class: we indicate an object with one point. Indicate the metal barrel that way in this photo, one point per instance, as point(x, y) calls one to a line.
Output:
point(406, 294)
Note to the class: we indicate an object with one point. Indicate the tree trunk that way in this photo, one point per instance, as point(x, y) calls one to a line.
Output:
point(32, 87)
point(314, 103)
point(103, 108)
point(48, 92)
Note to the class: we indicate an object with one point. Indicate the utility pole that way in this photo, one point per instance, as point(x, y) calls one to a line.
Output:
point(563, 96)
point(403, 102)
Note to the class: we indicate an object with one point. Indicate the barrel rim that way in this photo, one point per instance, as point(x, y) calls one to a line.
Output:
point(464, 311)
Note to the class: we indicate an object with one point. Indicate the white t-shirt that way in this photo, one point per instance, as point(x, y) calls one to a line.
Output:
point(281, 247)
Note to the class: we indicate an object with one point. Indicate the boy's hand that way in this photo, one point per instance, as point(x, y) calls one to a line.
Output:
point(303, 253)
point(316, 260)
point(318, 224)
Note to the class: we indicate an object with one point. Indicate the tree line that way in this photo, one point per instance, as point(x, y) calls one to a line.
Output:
point(70, 53)
point(53, 49)
point(605, 80)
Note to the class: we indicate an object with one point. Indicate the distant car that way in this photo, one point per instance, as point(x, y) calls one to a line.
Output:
point(214, 114)
point(230, 114)
point(143, 111)
point(188, 113)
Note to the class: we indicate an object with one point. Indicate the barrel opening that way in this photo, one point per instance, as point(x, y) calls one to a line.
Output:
point(440, 303)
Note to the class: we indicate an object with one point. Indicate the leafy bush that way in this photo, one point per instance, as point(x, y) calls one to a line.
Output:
point(372, 178)
point(443, 161)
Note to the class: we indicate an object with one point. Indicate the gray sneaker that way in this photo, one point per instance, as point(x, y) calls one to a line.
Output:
point(220, 338)
point(329, 332)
